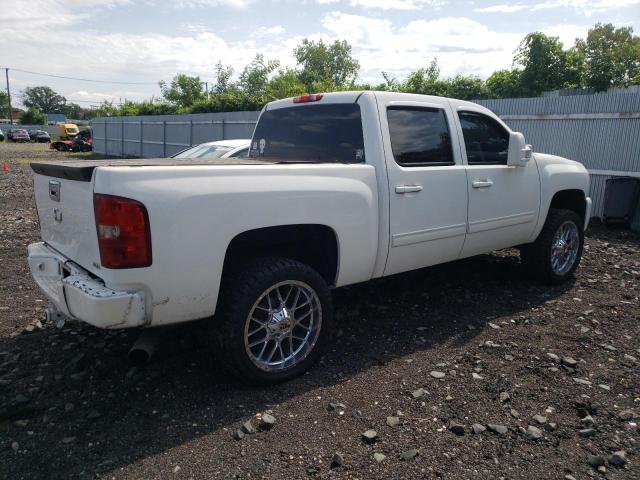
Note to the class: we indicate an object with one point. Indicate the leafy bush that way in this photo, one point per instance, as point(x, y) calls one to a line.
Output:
point(33, 116)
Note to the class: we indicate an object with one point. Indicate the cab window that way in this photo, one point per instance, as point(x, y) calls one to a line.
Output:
point(485, 140)
point(419, 136)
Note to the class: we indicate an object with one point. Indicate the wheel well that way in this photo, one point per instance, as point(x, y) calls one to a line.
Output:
point(313, 245)
point(570, 200)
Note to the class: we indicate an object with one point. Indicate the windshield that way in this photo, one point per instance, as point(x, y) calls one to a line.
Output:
point(72, 130)
point(203, 151)
point(310, 133)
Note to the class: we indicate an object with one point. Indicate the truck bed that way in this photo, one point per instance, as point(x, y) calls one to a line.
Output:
point(82, 170)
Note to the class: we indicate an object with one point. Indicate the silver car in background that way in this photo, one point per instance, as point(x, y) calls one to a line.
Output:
point(218, 149)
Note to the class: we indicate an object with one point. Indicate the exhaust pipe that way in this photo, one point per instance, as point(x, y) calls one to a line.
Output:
point(145, 346)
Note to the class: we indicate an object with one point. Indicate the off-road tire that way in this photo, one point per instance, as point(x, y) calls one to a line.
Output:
point(536, 256)
point(241, 290)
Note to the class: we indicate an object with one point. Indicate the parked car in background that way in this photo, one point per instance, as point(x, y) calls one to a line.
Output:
point(219, 149)
point(39, 136)
point(1, 135)
point(338, 189)
point(18, 135)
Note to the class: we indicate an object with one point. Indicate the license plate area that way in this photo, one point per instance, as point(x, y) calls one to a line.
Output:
point(47, 267)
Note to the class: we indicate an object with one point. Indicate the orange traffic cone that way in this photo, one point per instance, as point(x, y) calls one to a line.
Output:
point(5, 167)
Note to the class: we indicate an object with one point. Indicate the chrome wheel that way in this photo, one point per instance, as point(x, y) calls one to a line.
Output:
point(283, 325)
point(564, 248)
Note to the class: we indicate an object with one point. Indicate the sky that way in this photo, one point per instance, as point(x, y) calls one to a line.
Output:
point(144, 41)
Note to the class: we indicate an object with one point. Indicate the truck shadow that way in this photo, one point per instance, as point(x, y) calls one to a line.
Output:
point(91, 412)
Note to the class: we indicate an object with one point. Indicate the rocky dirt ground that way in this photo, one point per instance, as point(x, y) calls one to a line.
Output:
point(464, 371)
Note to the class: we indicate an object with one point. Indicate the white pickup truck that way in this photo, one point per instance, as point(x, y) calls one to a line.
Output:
point(338, 189)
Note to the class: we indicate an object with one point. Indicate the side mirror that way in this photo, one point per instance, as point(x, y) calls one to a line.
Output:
point(519, 151)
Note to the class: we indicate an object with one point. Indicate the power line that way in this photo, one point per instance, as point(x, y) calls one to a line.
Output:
point(82, 79)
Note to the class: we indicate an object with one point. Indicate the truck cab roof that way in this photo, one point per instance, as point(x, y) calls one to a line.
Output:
point(354, 96)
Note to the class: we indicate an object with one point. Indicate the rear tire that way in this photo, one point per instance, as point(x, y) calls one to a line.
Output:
point(555, 255)
point(273, 321)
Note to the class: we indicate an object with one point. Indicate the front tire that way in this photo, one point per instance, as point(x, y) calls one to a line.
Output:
point(274, 320)
point(555, 255)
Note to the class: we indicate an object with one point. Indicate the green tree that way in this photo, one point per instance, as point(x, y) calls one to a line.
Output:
point(223, 78)
point(254, 79)
point(74, 111)
point(33, 116)
point(390, 84)
point(504, 84)
point(44, 99)
point(425, 81)
point(4, 104)
point(183, 90)
point(465, 87)
point(545, 65)
point(326, 67)
point(612, 57)
point(575, 67)
point(107, 109)
point(285, 84)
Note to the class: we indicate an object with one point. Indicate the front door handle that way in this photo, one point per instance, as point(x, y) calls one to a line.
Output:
point(481, 183)
point(408, 188)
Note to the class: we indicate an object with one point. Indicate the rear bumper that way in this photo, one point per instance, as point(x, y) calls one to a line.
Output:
point(79, 296)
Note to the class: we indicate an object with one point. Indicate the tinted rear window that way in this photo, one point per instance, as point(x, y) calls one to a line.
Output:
point(310, 133)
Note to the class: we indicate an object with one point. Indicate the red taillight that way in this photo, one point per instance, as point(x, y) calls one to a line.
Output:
point(123, 232)
point(314, 97)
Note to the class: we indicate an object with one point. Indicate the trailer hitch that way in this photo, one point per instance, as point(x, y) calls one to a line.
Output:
point(52, 314)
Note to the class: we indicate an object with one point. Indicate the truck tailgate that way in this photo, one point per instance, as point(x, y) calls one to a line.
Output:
point(67, 223)
point(67, 220)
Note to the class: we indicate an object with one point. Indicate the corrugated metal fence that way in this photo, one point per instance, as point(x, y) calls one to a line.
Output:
point(600, 130)
point(158, 136)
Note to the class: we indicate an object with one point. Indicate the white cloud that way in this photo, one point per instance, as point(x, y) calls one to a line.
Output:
point(585, 7)
point(502, 8)
point(239, 4)
point(121, 56)
point(44, 13)
point(461, 44)
point(268, 31)
point(567, 33)
point(194, 27)
point(390, 4)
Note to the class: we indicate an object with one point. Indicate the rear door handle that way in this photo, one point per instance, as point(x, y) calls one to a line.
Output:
point(481, 183)
point(408, 188)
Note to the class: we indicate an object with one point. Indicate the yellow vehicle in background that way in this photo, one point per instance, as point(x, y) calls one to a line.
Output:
point(68, 131)
point(72, 139)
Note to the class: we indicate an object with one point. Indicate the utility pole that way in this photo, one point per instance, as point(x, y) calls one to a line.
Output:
point(6, 71)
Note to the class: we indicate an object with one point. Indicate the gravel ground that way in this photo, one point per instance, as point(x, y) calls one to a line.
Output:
point(548, 378)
